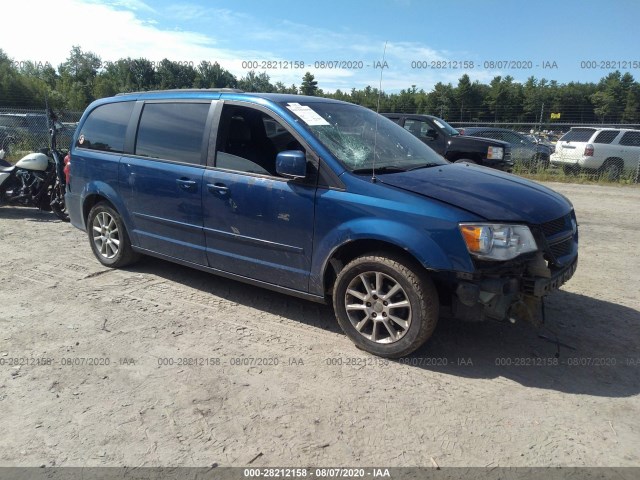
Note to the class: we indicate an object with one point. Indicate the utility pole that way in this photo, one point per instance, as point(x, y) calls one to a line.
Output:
point(541, 114)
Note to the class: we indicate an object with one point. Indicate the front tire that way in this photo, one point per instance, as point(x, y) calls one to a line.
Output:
point(108, 237)
point(386, 305)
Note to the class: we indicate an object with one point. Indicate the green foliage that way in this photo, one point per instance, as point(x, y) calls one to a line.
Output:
point(83, 77)
point(309, 85)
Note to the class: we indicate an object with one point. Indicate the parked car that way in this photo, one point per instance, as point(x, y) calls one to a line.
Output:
point(523, 150)
point(447, 141)
point(319, 199)
point(22, 125)
point(608, 151)
point(542, 140)
point(34, 129)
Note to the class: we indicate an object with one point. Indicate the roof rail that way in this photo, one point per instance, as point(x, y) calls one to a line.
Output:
point(233, 90)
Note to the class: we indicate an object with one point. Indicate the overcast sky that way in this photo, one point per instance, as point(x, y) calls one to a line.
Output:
point(526, 36)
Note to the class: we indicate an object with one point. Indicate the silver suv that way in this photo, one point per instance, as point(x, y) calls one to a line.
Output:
point(609, 151)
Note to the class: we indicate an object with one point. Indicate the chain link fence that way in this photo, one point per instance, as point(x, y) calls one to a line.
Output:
point(591, 152)
point(27, 130)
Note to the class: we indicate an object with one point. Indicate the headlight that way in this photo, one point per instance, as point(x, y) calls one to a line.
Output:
point(495, 153)
point(489, 241)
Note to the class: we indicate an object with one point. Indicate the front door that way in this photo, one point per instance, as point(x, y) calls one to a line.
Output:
point(257, 224)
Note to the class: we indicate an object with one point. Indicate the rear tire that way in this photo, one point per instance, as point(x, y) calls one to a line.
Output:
point(57, 203)
point(385, 304)
point(108, 237)
point(612, 170)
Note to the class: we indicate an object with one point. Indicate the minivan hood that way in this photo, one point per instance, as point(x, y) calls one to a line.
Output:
point(489, 193)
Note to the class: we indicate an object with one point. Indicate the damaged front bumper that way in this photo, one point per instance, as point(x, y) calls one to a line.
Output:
point(514, 294)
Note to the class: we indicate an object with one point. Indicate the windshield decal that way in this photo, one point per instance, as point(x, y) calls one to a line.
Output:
point(307, 114)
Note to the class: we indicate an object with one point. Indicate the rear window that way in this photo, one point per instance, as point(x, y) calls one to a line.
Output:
point(606, 136)
point(631, 139)
point(578, 135)
point(105, 127)
point(172, 131)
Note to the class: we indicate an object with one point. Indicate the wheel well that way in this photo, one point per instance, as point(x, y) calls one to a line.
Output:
point(357, 248)
point(90, 202)
point(614, 161)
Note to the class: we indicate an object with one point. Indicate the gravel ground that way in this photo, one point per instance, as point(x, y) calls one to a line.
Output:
point(160, 365)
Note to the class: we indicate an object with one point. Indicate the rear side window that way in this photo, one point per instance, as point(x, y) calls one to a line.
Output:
point(606, 136)
point(631, 139)
point(172, 131)
point(578, 135)
point(489, 134)
point(105, 127)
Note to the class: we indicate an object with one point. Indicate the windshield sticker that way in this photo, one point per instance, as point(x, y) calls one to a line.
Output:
point(307, 115)
point(439, 124)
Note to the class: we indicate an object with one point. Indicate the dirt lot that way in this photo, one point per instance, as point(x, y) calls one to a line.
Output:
point(101, 381)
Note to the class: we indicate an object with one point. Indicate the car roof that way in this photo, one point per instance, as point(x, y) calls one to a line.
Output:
point(226, 93)
point(600, 129)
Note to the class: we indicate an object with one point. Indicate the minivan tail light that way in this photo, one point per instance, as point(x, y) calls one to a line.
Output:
point(67, 167)
point(588, 150)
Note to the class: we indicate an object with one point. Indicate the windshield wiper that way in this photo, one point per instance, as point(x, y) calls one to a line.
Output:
point(384, 169)
point(425, 165)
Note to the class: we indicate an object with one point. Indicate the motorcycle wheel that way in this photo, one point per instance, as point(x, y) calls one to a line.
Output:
point(58, 206)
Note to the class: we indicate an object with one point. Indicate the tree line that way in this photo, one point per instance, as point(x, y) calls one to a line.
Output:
point(83, 77)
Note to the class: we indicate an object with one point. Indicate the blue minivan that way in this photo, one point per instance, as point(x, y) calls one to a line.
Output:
point(320, 199)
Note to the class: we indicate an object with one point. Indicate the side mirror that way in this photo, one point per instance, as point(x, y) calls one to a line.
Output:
point(292, 164)
point(431, 133)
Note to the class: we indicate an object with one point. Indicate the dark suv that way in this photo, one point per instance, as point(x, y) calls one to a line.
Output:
point(319, 199)
point(525, 151)
point(448, 142)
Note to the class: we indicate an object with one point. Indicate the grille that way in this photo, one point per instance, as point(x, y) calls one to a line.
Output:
point(561, 249)
point(556, 226)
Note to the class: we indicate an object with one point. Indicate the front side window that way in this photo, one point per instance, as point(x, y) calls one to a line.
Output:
point(105, 127)
point(417, 127)
point(172, 131)
point(249, 141)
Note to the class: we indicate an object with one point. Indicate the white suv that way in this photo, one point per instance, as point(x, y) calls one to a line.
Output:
point(607, 150)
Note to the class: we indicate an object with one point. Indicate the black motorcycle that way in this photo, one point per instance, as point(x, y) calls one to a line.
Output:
point(37, 179)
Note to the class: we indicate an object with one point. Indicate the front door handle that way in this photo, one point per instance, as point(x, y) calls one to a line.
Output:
point(186, 184)
point(219, 188)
